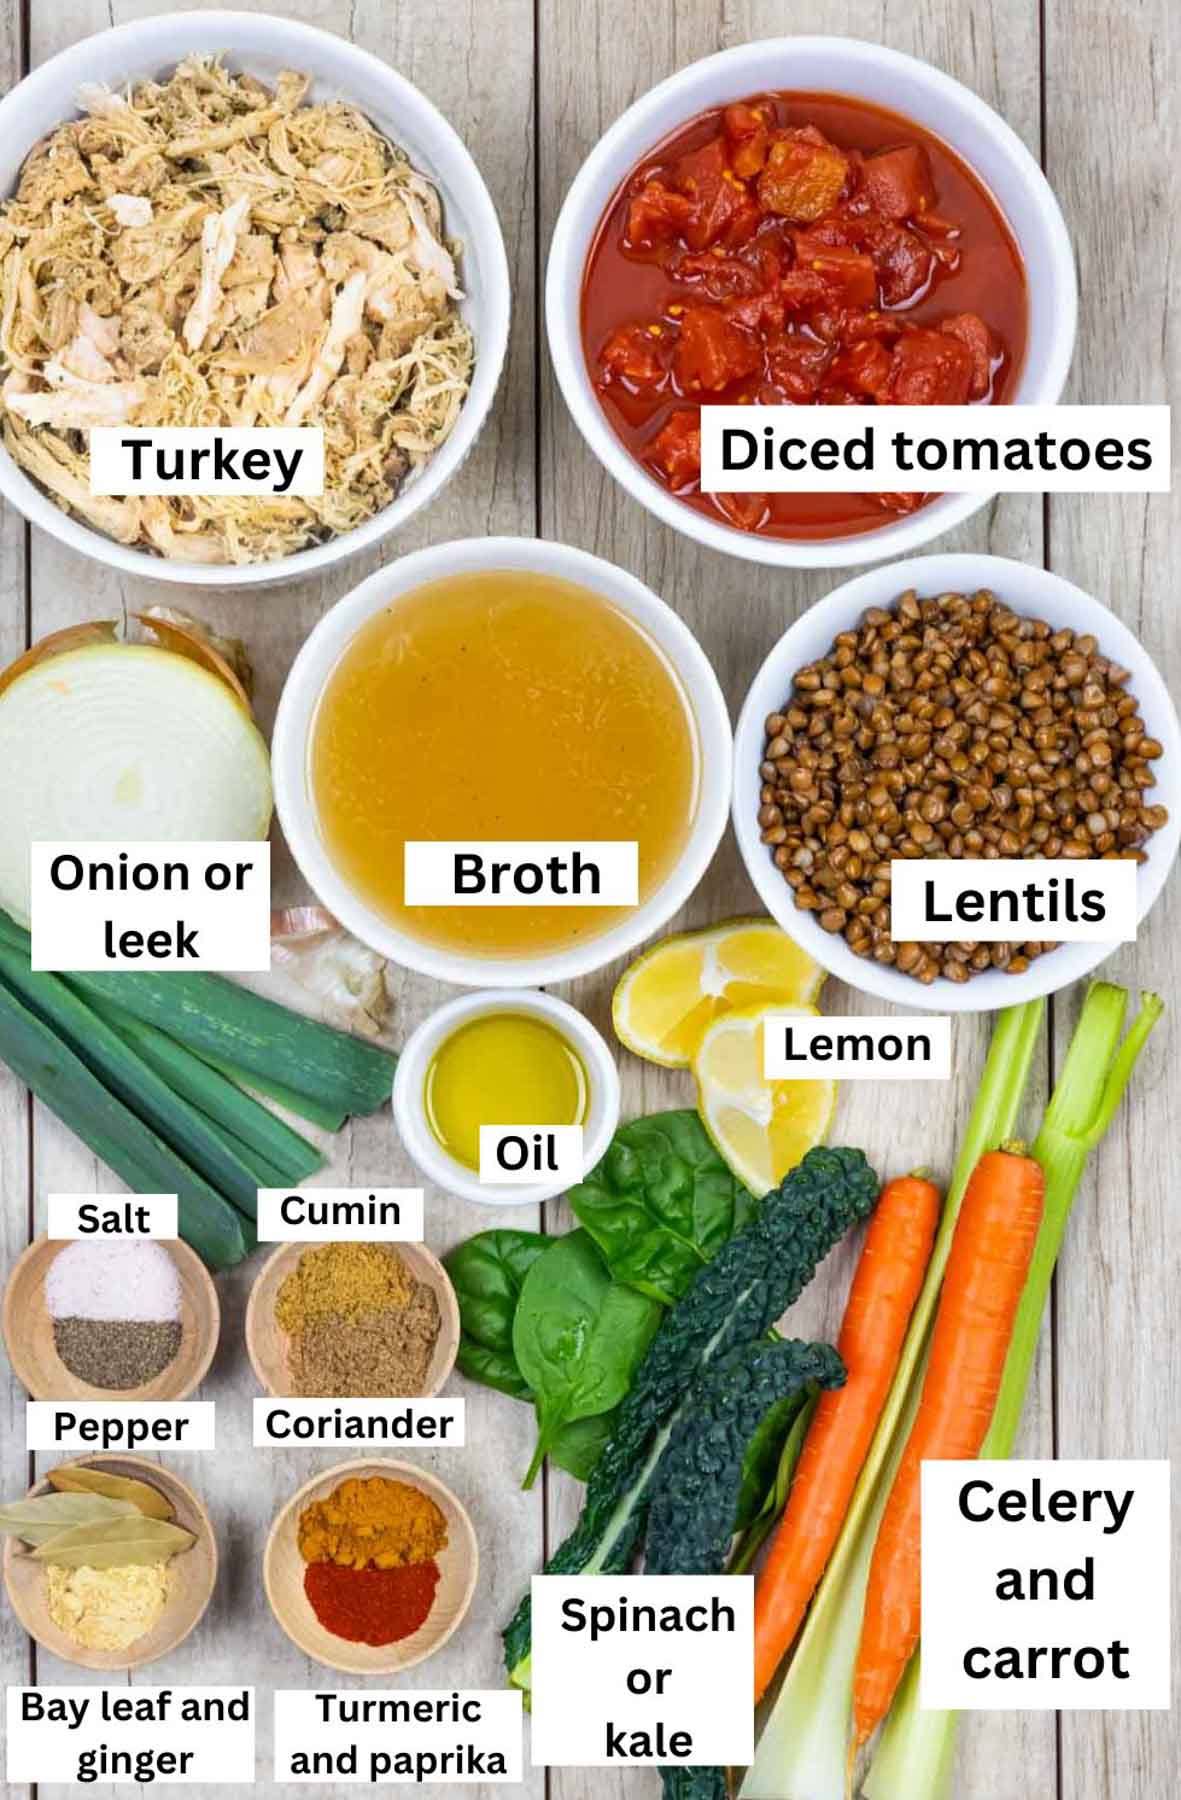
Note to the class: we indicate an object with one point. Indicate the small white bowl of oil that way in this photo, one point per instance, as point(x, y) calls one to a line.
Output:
point(508, 1057)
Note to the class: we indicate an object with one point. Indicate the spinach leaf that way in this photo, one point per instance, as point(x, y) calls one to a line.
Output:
point(762, 1458)
point(661, 1203)
point(579, 1445)
point(775, 1500)
point(578, 1337)
point(487, 1271)
point(491, 1368)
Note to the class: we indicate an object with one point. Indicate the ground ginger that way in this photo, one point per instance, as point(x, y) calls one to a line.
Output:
point(372, 1522)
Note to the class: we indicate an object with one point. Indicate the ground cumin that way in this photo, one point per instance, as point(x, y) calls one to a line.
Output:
point(358, 1323)
point(374, 1523)
point(343, 1281)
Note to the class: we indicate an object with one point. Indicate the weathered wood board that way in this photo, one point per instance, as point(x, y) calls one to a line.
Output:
point(530, 87)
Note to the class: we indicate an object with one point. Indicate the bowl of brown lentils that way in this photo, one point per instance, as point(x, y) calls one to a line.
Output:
point(950, 706)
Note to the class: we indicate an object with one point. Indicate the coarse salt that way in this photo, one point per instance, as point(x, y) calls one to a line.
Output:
point(133, 1280)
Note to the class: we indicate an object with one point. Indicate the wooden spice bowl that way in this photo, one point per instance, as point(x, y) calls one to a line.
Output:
point(267, 1345)
point(284, 1567)
point(193, 1575)
point(28, 1330)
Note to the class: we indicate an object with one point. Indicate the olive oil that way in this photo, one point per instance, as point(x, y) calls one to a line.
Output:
point(500, 706)
point(502, 1069)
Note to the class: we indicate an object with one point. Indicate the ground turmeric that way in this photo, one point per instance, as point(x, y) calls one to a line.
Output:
point(374, 1523)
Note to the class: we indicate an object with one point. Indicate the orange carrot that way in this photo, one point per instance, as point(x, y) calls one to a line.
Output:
point(982, 1287)
point(889, 1275)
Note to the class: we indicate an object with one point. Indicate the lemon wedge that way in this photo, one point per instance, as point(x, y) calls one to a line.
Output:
point(761, 1128)
point(669, 997)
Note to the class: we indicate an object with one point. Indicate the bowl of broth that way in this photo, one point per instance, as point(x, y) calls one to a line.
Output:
point(491, 693)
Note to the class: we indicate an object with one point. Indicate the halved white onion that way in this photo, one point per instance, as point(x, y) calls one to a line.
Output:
point(124, 742)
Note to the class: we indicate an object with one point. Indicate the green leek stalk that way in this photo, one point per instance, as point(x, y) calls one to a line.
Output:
point(196, 1140)
point(916, 1751)
point(803, 1752)
point(304, 1106)
point(221, 1021)
point(48, 1066)
point(275, 1154)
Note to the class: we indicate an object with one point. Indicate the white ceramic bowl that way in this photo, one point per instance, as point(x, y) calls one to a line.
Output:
point(814, 65)
point(1028, 590)
point(319, 656)
point(602, 1115)
point(262, 45)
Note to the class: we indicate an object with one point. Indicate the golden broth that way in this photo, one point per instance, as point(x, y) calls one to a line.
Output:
point(497, 706)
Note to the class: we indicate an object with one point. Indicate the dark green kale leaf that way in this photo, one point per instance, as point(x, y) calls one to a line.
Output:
point(734, 1299)
point(696, 1491)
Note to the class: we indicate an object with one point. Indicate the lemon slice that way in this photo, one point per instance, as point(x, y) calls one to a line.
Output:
point(762, 1128)
point(669, 997)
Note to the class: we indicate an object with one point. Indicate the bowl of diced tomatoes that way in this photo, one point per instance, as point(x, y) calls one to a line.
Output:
point(803, 221)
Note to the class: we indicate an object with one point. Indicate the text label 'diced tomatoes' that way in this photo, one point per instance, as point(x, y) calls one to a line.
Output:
point(803, 249)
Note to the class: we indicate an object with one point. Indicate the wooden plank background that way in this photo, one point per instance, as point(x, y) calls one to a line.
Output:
point(530, 85)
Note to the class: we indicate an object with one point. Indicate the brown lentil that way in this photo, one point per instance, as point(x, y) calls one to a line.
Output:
point(949, 727)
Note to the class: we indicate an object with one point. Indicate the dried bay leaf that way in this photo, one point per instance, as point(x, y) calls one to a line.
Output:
point(73, 1478)
point(114, 1543)
point(45, 1515)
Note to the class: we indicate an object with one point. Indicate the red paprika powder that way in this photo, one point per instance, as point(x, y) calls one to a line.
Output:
point(371, 1606)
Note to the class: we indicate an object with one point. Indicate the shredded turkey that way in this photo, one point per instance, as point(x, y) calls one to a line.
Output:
point(207, 250)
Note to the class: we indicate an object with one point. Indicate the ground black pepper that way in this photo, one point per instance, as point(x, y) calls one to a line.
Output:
point(116, 1353)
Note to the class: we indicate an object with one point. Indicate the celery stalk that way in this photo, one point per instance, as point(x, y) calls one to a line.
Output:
point(1084, 1102)
point(803, 1751)
point(916, 1750)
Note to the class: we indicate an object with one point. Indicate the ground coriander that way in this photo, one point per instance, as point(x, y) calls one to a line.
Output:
point(358, 1323)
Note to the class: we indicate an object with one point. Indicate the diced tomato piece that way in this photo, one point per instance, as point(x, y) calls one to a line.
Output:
point(761, 313)
point(930, 369)
point(857, 327)
point(864, 369)
point(831, 323)
point(712, 352)
point(898, 183)
point(850, 275)
point(729, 277)
point(901, 503)
point(904, 263)
point(838, 230)
point(803, 289)
point(637, 355)
point(720, 206)
point(742, 120)
point(774, 237)
point(804, 175)
point(749, 135)
point(676, 449)
point(797, 366)
point(750, 155)
point(655, 215)
point(981, 344)
point(747, 511)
